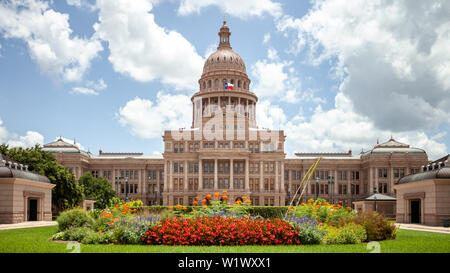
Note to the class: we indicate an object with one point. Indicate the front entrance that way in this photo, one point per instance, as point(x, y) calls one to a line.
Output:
point(415, 211)
point(32, 209)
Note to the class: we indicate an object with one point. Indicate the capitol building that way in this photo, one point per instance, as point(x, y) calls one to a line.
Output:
point(224, 149)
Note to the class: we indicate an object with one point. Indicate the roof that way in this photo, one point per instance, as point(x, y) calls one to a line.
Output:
point(395, 147)
point(61, 146)
point(6, 171)
point(441, 173)
point(380, 197)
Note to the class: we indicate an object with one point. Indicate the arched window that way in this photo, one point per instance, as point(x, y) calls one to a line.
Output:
point(209, 84)
point(224, 59)
point(239, 84)
point(231, 59)
point(224, 84)
point(218, 59)
point(216, 85)
point(245, 85)
point(232, 82)
point(204, 85)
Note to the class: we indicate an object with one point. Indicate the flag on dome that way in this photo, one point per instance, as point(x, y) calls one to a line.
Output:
point(228, 85)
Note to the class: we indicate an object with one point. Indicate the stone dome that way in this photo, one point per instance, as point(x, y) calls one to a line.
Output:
point(224, 59)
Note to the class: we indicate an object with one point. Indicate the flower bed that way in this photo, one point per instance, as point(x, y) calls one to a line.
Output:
point(222, 231)
point(213, 221)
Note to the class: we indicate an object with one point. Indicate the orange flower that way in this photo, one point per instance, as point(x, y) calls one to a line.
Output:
point(100, 231)
point(248, 201)
point(290, 208)
point(204, 201)
point(217, 194)
point(348, 208)
point(329, 214)
point(340, 202)
point(205, 206)
point(208, 196)
point(124, 213)
point(179, 206)
point(310, 201)
point(224, 192)
point(244, 197)
point(196, 198)
point(225, 197)
point(171, 207)
point(184, 208)
point(195, 203)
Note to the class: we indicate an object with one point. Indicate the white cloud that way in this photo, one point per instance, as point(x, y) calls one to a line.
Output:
point(266, 38)
point(99, 85)
point(143, 50)
point(390, 55)
point(339, 129)
point(49, 38)
point(83, 91)
point(238, 8)
point(147, 119)
point(275, 78)
point(269, 116)
point(30, 139)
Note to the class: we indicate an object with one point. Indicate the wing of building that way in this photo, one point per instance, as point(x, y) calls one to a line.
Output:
point(224, 149)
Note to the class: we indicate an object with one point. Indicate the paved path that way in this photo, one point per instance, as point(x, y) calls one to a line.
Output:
point(30, 224)
point(424, 228)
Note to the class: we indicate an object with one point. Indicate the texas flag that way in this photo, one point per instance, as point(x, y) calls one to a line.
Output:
point(228, 85)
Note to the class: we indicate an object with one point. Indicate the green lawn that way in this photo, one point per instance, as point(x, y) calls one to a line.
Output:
point(36, 240)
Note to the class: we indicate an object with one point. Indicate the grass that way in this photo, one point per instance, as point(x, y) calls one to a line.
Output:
point(36, 240)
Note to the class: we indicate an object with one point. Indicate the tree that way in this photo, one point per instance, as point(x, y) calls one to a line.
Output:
point(67, 193)
point(98, 189)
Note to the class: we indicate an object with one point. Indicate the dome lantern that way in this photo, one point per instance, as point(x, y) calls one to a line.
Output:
point(224, 35)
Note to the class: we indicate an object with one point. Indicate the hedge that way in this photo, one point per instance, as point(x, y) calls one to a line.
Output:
point(268, 212)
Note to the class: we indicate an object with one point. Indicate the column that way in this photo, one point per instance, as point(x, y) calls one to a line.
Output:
point(185, 182)
point(247, 184)
point(282, 177)
point(166, 183)
point(391, 181)
point(231, 174)
point(261, 176)
point(376, 182)
point(349, 186)
point(276, 177)
point(170, 176)
point(200, 175)
point(261, 183)
point(370, 186)
point(335, 187)
point(215, 175)
point(158, 187)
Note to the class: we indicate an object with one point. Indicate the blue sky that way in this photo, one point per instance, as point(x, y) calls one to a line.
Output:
point(334, 75)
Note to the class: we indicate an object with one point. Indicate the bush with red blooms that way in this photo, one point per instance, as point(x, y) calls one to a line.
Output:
point(222, 231)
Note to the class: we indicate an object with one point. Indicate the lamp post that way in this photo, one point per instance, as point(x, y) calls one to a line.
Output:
point(317, 187)
point(375, 197)
point(126, 188)
point(117, 185)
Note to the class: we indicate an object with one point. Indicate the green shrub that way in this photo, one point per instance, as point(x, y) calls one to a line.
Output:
point(73, 234)
point(348, 234)
point(267, 212)
point(376, 226)
point(74, 218)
